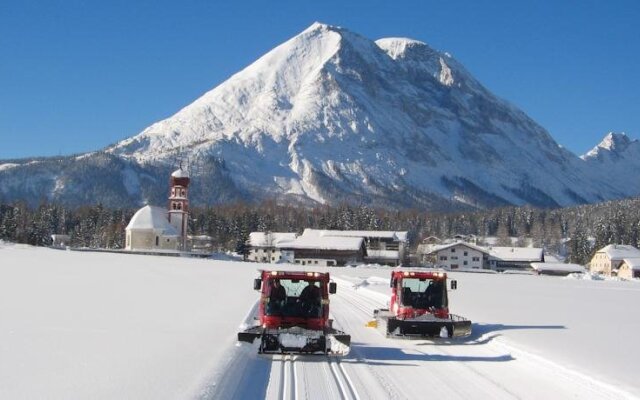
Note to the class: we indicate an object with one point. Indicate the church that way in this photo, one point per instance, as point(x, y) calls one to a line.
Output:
point(159, 229)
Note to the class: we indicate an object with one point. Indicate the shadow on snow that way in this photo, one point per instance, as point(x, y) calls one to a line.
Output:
point(377, 355)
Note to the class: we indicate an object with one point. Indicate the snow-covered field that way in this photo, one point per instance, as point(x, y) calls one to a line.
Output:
point(103, 326)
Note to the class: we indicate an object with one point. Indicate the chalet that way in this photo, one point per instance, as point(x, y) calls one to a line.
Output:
point(608, 259)
point(630, 268)
point(325, 250)
point(264, 246)
point(514, 258)
point(382, 247)
point(458, 255)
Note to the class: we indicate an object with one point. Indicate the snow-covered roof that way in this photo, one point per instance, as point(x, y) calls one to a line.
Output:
point(618, 252)
point(516, 253)
point(268, 239)
point(152, 218)
point(435, 248)
point(323, 243)
point(560, 267)
point(633, 263)
point(180, 173)
point(395, 235)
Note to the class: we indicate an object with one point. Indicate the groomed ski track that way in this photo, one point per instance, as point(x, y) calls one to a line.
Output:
point(380, 368)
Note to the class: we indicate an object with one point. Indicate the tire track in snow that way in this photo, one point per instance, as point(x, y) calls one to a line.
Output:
point(372, 383)
point(442, 384)
point(348, 390)
point(297, 377)
point(460, 372)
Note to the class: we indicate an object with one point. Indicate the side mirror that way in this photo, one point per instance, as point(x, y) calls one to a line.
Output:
point(257, 284)
point(454, 285)
point(333, 287)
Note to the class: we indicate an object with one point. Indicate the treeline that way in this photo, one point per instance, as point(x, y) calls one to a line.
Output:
point(575, 231)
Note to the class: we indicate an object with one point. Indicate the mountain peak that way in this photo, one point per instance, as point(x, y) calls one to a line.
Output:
point(614, 140)
point(612, 143)
point(319, 26)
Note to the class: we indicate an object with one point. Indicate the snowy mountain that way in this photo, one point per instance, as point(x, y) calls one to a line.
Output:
point(330, 116)
point(617, 159)
point(615, 149)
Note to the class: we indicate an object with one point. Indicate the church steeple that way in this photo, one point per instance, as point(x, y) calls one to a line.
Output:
point(179, 204)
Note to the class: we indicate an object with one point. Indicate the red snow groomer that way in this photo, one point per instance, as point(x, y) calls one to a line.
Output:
point(294, 315)
point(419, 308)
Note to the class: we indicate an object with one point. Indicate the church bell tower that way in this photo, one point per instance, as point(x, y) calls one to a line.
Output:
point(179, 204)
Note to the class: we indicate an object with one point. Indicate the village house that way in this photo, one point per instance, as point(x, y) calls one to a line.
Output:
point(455, 256)
point(329, 247)
point(608, 259)
point(514, 258)
point(382, 247)
point(155, 228)
point(263, 246)
point(630, 268)
point(464, 255)
point(328, 251)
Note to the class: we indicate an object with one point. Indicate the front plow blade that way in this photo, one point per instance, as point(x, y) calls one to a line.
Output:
point(452, 327)
point(249, 335)
point(298, 340)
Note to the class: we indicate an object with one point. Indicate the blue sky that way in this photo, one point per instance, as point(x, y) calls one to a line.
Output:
point(78, 75)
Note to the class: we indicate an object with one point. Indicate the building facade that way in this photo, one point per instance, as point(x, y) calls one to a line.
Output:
point(325, 251)
point(608, 259)
point(463, 255)
point(264, 246)
point(459, 255)
point(514, 258)
point(629, 268)
point(382, 247)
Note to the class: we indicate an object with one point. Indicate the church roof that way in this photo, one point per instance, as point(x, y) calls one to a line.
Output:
point(152, 218)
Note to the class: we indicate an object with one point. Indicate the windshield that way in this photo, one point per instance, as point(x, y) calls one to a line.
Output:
point(294, 298)
point(423, 293)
